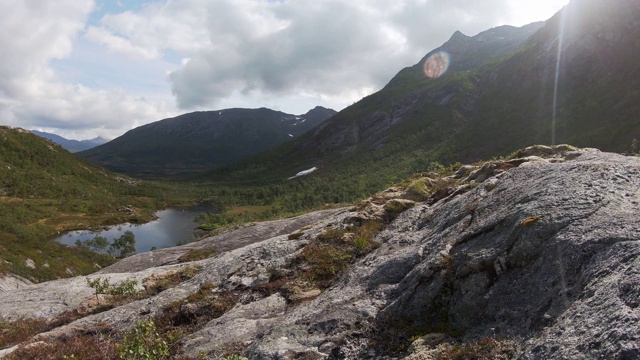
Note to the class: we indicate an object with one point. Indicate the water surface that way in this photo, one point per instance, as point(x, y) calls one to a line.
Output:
point(172, 227)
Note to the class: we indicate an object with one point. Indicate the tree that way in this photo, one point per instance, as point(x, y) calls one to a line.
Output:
point(123, 246)
point(98, 244)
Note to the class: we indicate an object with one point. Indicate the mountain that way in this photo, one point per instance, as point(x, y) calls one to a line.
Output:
point(496, 96)
point(71, 145)
point(536, 256)
point(202, 140)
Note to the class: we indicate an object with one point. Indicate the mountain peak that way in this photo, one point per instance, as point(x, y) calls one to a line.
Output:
point(458, 35)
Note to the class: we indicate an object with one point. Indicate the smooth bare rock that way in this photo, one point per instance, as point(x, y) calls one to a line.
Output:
point(12, 282)
point(241, 324)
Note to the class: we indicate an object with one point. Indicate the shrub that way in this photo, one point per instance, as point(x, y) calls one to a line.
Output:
point(95, 347)
point(102, 286)
point(326, 261)
point(143, 342)
point(333, 234)
point(17, 331)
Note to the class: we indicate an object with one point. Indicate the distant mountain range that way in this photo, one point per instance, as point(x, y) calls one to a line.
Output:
point(71, 145)
point(201, 140)
point(504, 89)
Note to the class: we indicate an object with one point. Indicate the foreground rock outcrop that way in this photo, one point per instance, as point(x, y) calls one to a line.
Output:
point(534, 257)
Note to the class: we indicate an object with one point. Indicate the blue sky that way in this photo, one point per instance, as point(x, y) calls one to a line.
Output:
point(83, 68)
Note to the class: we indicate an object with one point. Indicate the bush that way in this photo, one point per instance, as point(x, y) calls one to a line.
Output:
point(143, 342)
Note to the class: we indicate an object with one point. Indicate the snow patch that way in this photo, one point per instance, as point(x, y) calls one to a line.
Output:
point(290, 135)
point(304, 172)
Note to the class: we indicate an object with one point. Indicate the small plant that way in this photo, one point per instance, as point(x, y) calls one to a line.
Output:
point(102, 286)
point(361, 243)
point(124, 289)
point(143, 343)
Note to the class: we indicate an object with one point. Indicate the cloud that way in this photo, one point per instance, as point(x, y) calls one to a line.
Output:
point(32, 95)
point(327, 49)
point(131, 66)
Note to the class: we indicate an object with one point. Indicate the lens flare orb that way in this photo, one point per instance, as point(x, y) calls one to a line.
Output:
point(436, 65)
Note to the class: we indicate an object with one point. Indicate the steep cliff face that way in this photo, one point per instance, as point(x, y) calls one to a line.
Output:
point(534, 257)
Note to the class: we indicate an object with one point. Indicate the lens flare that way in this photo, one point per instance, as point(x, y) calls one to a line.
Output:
point(436, 65)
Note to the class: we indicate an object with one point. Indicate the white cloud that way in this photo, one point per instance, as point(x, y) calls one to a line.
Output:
point(325, 49)
point(287, 55)
point(119, 44)
point(31, 93)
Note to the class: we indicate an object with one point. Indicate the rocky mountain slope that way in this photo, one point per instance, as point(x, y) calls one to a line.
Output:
point(71, 145)
point(201, 140)
point(533, 257)
point(497, 95)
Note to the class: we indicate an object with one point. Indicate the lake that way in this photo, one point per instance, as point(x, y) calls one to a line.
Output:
point(171, 227)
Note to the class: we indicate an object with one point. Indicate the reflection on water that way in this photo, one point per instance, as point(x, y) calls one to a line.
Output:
point(171, 227)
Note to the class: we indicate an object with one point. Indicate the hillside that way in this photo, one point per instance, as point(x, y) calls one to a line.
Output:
point(44, 190)
point(71, 145)
point(535, 256)
point(198, 141)
point(497, 96)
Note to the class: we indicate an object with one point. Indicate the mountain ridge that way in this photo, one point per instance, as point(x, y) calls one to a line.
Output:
point(71, 145)
point(495, 97)
point(201, 140)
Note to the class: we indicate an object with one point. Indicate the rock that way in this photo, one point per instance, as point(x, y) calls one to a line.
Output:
point(464, 171)
point(539, 261)
point(12, 282)
point(30, 263)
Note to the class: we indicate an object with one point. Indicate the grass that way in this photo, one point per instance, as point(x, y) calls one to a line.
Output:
point(197, 254)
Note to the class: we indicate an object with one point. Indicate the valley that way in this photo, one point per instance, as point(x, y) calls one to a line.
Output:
point(483, 204)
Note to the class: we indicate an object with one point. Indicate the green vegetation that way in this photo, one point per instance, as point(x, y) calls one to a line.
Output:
point(45, 190)
point(102, 286)
point(120, 248)
point(143, 343)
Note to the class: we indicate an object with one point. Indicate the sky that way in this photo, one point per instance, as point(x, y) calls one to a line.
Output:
point(87, 68)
